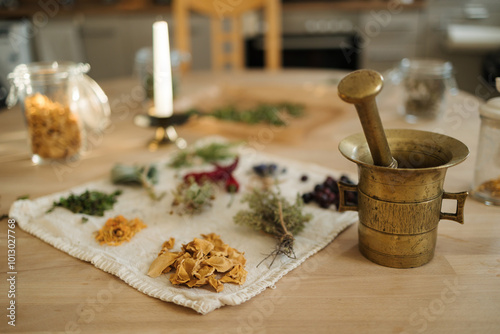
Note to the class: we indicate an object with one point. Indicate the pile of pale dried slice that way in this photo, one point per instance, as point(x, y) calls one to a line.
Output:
point(201, 262)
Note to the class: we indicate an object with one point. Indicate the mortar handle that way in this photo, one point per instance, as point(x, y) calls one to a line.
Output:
point(360, 88)
point(458, 216)
point(343, 187)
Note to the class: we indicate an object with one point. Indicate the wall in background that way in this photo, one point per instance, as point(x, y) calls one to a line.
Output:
point(467, 62)
point(110, 41)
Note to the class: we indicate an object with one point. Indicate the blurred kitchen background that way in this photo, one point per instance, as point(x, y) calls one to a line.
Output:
point(108, 34)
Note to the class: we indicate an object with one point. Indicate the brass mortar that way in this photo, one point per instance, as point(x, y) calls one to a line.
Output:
point(400, 208)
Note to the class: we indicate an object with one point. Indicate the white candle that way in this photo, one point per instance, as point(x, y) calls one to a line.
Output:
point(162, 71)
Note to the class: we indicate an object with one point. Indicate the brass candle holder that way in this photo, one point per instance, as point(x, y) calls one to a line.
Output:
point(165, 132)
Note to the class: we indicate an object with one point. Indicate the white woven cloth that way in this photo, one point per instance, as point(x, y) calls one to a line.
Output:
point(131, 260)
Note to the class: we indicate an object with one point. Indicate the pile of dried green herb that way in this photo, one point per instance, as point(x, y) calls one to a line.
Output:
point(92, 203)
point(271, 213)
point(273, 114)
point(192, 197)
point(137, 175)
point(209, 153)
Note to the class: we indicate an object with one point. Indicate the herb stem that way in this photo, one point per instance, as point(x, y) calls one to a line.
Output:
point(281, 220)
point(150, 188)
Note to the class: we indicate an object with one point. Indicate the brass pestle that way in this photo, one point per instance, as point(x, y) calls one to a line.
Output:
point(360, 88)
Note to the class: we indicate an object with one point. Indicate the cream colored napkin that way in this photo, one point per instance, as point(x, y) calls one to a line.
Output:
point(130, 261)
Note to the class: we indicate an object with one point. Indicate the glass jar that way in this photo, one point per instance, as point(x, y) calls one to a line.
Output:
point(426, 85)
point(60, 104)
point(486, 187)
point(144, 70)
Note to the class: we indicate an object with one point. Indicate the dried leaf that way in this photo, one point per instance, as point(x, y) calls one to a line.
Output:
point(220, 263)
point(237, 275)
point(162, 262)
point(215, 283)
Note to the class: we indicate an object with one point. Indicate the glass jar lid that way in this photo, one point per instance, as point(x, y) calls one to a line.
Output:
point(145, 57)
point(427, 67)
point(88, 97)
point(41, 73)
point(46, 71)
point(491, 109)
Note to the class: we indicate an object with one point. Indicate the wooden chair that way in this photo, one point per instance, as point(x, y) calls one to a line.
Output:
point(232, 10)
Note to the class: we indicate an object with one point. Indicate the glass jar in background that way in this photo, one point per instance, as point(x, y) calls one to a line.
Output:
point(425, 87)
point(60, 104)
point(143, 69)
point(486, 187)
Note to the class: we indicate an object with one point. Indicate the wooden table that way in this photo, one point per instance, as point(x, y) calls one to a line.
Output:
point(337, 290)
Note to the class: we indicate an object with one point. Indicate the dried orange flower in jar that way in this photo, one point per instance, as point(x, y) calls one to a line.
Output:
point(492, 187)
point(53, 129)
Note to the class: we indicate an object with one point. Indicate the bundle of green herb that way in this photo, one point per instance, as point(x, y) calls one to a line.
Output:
point(209, 153)
point(192, 197)
point(273, 114)
point(137, 175)
point(92, 203)
point(271, 213)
